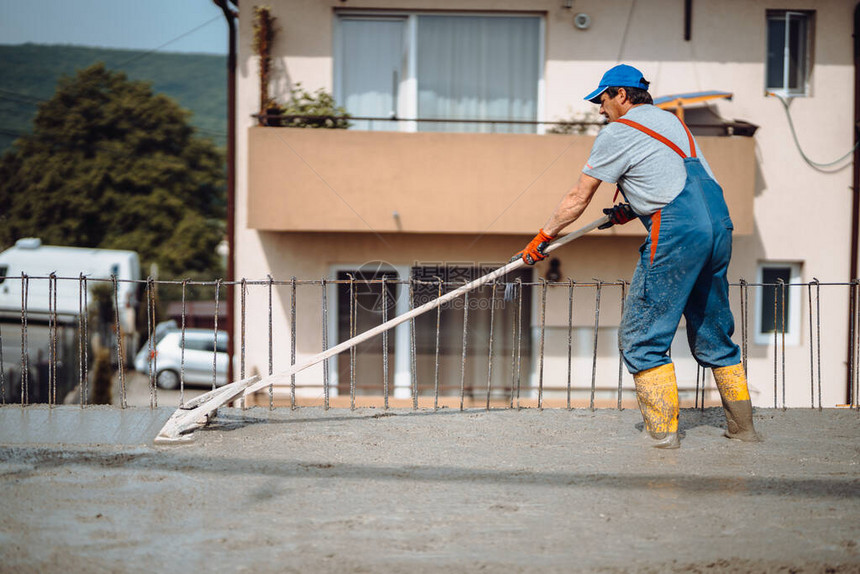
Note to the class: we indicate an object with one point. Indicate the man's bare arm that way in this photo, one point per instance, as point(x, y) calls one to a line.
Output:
point(572, 204)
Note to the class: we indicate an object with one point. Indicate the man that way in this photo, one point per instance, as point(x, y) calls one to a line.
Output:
point(659, 169)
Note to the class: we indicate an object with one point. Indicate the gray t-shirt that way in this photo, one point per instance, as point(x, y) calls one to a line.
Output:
point(650, 172)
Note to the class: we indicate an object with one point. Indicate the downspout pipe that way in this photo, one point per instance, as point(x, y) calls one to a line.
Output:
point(230, 15)
point(855, 208)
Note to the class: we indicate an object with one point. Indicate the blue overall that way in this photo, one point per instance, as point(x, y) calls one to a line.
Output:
point(682, 270)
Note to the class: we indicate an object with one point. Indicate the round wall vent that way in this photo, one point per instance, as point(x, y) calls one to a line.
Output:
point(582, 21)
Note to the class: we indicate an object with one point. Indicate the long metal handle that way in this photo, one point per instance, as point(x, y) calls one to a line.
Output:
point(369, 334)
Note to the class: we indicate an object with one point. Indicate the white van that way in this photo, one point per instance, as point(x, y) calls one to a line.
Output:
point(36, 260)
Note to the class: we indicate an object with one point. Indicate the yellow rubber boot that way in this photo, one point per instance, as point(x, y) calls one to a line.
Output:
point(657, 393)
point(732, 384)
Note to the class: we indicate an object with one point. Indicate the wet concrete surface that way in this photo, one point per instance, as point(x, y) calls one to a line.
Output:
point(373, 491)
point(93, 425)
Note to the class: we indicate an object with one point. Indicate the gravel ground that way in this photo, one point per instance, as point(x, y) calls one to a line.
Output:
point(373, 491)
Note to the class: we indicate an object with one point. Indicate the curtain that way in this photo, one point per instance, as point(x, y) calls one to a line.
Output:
point(474, 67)
point(372, 54)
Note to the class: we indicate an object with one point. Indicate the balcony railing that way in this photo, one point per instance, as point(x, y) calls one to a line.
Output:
point(722, 127)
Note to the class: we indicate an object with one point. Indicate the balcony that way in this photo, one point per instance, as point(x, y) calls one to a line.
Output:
point(361, 181)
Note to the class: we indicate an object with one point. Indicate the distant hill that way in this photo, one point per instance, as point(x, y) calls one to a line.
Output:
point(30, 73)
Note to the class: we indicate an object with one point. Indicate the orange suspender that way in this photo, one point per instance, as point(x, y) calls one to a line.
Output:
point(665, 140)
point(655, 217)
point(655, 232)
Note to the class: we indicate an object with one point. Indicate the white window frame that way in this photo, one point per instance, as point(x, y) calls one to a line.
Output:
point(786, 91)
point(402, 381)
point(407, 94)
point(793, 297)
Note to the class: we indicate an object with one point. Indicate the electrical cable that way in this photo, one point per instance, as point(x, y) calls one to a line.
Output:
point(626, 30)
point(814, 164)
point(21, 98)
point(12, 133)
point(156, 49)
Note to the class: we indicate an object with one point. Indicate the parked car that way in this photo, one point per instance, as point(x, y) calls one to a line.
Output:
point(167, 357)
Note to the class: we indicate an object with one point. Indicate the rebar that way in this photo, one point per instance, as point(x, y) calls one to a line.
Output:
point(385, 343)
point(696, 402)
point(569, 339)
point(818, 335)
point(326, 381)
point(744, 293)
point(855, 388)
point(215, 338)
point(54, 345)
point(182, 348)
point(855, 400)
point(519, 344)
point(490, 342)
point(620, 355)
point(120, 355)
point(352, 318)
point(80, 339)
point(52, 326)
point(150, 326)
point(52, 320)
point(512, 288)
point(775, 349)
point(293, 342)
point(243, 291)
point(811, 353)
point(2, 370)
point(852, 336)
point(783, 343)
point(465, 338)
point(25, 351)
point(413, 374)
point(25, 359)
point(85, 341)
point(598, 288)
point(271, 346)
point(542, 333)
point(436, 368)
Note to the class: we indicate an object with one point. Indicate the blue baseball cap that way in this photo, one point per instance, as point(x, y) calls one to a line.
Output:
point(621, 76)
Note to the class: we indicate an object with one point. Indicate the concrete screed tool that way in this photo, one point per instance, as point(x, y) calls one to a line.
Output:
point(197, 412)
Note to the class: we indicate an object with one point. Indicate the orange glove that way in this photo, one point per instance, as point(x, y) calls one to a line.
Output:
point(534, 251)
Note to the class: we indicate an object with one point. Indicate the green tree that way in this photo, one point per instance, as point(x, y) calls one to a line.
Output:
point(112, 165)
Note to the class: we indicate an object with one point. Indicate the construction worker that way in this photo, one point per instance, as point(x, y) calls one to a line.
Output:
point(667, 184)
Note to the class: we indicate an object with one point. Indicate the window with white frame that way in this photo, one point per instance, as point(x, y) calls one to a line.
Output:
point(778, 303)
point(440, 67)
point(789, 52)
point(370, 302)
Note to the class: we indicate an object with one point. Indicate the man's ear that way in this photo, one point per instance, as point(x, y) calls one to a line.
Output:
point(623, 93)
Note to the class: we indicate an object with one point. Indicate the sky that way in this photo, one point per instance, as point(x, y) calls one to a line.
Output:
point(196, 26)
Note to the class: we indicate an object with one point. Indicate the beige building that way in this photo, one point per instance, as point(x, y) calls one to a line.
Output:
point(427, 199)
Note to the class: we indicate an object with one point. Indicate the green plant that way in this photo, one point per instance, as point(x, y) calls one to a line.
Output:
point(312, 110)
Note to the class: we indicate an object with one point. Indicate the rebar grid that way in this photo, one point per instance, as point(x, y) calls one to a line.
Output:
point(536, 387)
